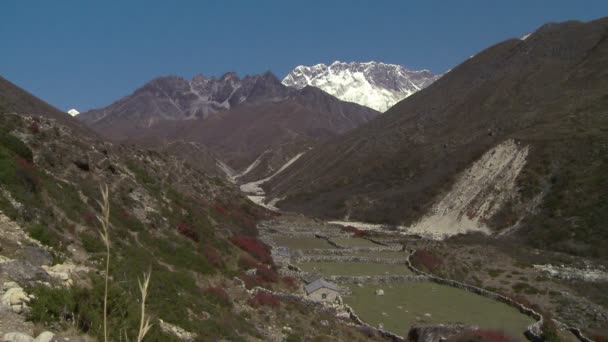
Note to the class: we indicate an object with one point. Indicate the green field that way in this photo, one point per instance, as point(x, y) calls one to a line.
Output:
point(302, 242)
point(407, 304)
point(381, 254)
point(354, 242)
point(354, 268)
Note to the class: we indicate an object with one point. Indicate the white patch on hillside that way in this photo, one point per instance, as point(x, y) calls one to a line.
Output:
point(228, 171)
point(252, 166)
point(73, 112)
point(254, 190)
point(569, 273)
point(526, 36)
point(363, 225)
point(477, 194)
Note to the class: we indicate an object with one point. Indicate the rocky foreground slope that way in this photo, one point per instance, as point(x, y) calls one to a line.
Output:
point(544, 96)
point(194, 232)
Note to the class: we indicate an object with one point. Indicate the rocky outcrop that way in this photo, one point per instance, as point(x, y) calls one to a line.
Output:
point(14, 297)
point(436, 333)
point(176, 331)
point(46, 336)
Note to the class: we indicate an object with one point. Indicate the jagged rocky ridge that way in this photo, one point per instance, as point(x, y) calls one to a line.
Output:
point(237, 119)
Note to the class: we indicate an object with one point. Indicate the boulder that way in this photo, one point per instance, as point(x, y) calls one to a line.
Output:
point(24, 272)
point(36, 256)
point(15, 296)
point(46, 336)
point(17, 337)
point(379, 292)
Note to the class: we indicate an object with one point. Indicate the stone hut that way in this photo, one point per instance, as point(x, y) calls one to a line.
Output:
point(323, 291)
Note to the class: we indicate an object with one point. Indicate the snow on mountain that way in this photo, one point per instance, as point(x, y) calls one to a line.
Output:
point(73, 112)
point(372, 84)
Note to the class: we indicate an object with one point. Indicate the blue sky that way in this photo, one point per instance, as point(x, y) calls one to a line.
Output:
point(87, 54)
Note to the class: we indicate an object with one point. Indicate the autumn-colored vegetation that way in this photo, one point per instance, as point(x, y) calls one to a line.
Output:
point(254, 247)
point(426, 259)
point(265, 299)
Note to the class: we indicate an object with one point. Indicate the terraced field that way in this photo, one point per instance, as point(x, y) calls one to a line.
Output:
point(381, 254)
point(302, 242)
point(427, 303)
point(354, 268)
point(354, 242)
point(405, 302)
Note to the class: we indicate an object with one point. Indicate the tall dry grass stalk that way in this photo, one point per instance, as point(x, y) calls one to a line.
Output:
point(104, 219)
point(144, 325)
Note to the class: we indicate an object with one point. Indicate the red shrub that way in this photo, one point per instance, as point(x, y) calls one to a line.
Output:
point(267, 274)
point(264, 299)
point(480, 336)
point(88, 217)
point(290, 282)
point(34, 128)
point(251, 281)
point(213, 256)
point(124, 213)
point(220, 210)
point(187, 231)
point(426, 259)
point(246, 262)
point(217, 295)
point(356, 232)
point(253, 246)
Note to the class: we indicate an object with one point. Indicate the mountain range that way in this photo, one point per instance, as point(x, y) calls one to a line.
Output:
point(239, 119)
point(372, 84)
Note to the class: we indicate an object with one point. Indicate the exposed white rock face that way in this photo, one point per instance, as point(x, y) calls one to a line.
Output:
point(17, 337)
point(477, 194)
point(176, 331)
point(14, 297)
point(63, 272)
point(375, 85)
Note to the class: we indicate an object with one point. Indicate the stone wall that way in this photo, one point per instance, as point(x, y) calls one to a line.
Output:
point(534, 331)
point(349, 258)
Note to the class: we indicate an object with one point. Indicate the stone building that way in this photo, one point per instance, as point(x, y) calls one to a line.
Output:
point(323, 291)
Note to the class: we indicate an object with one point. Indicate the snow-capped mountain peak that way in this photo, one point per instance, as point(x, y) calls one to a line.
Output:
point(73, 112)
point(373, 84)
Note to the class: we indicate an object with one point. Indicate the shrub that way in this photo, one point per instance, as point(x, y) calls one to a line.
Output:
point(246, 263)
point(187, 231)
point(217, 295)
point(253, 246)
point(46, 235)
point(213, 256)
point(356, 232)
point(264, 299)
point(34, 128)
point(91, 243)
point(26, 172)
point(17, 146)
point(251, 281)
point(267, 274)
point(426, 259)
point(290, 282)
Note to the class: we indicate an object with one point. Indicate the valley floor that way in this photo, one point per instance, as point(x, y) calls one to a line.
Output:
point(372, 273)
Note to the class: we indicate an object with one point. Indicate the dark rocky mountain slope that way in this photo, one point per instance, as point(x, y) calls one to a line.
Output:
point(513, 139)
point(236, 118)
